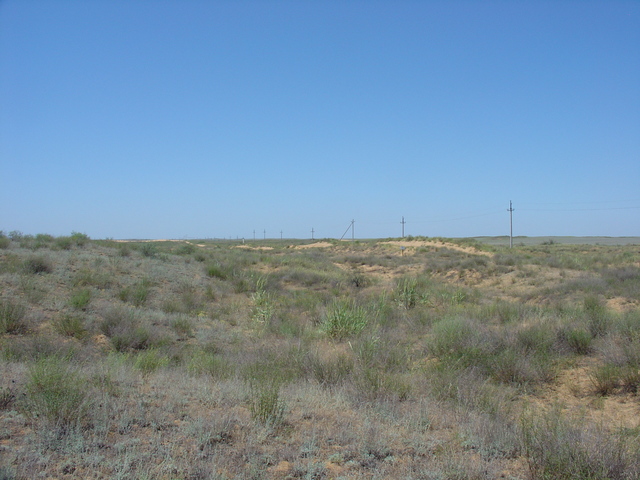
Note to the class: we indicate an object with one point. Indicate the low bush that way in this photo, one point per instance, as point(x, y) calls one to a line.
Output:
point(204, 362)
point(216, 270)
point(266, 404)
point(86, 277)
point(80, 298)
point(576, 339)
point(37, 264)
point(148, 249)
point(182, 326)
point(331, 371)
point(150, 360)
point(125, 331)
point(70, 326)
point(563, 448)
point(137, 293)
point(56, 393)
point(12, 317)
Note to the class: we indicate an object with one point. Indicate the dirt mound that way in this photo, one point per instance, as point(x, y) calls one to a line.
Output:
point(426, 243)
point(314, 245)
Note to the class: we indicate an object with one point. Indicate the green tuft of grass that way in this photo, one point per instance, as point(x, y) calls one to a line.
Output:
point(344, 318)
point(70, 326)
point(150, 360)
point(80, 298)
point(136, 294)
point(12, 317)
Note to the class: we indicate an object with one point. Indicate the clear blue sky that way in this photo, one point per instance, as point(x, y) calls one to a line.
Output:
point(173, 119)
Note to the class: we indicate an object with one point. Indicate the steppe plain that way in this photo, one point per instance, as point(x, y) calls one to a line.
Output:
point(412, 358)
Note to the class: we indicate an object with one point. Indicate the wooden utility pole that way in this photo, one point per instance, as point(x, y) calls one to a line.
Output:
point(510, 210)
point(312, 233)
point(403, 222)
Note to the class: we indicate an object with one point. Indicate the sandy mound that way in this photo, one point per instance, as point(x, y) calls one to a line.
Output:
point(425, 243)
point(249, 247)
point(315, 245)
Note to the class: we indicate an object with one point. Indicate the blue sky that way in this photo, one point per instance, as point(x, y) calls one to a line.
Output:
point(174, 119)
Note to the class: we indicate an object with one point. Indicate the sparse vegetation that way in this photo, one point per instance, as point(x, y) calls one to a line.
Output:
point(449, 359)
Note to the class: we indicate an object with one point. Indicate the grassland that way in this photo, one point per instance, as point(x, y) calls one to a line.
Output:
point(415, 358)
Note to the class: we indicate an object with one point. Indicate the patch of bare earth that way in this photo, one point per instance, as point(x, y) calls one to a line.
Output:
point(413, 244)
point(314, 245)
point(575, 392)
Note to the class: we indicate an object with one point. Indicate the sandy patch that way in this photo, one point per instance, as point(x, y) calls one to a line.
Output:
point(425, 243)
point(575, 391)
point(621, 305)
point(249, 247)
point(314, 245)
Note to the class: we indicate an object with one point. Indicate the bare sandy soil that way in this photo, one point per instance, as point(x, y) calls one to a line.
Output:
point(424, 243)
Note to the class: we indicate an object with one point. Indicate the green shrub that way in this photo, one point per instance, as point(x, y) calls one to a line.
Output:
point(183, 326)
point(266, 404)
point(70, 326)
point(124, 331)
point(513, 366)
point(150, 360)
point(210, 363)
point(12, 317)
point(606, 378)
point(80, 298)
point(137, 293)
point(537, 338)
point(578, 340)
point(344, 318)
point(67, 242)
point(37, 264)
point(56, 393)
point(558, 447)
point(64, 243)
point(598, 317)
point(5, 242)
point(35, 347)
point(148, 249)
point(186, 249)
point(460, 339)
point(216, 270)
point(79, 239)
point(329, 372)
point(7, 398)
point(86, 277)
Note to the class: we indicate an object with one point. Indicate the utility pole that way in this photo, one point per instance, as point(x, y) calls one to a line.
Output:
point(352, 231)
point(403, 222)
point(265, 234)
point(254, 235)
point(280, 234)
point(312, 231)
point(510, 210)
